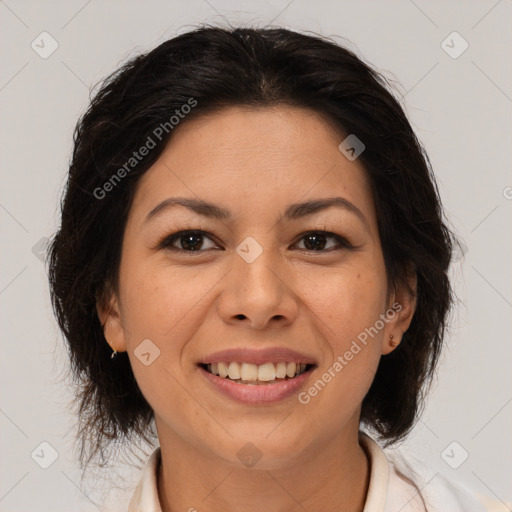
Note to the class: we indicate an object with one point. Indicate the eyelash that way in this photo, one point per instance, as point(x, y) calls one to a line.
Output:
point(166, 242)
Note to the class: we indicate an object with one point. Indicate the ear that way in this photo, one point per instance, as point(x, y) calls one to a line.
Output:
point(107, 307)
point(401, 308)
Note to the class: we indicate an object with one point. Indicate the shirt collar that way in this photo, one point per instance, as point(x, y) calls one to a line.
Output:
point(379, 474)
point(145, 497)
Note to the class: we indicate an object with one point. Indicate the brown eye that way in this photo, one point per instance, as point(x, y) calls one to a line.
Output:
point(187, 241)
point(190, 241)
point(316, 241)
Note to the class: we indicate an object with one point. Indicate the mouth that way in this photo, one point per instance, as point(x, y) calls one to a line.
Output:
point(257, 374)
point(256, 384)
point(256, 377)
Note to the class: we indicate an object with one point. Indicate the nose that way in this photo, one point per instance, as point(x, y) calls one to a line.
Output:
point(258, 294)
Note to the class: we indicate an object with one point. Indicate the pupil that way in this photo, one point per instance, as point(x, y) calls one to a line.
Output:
point(187, 242)
point(316, 245)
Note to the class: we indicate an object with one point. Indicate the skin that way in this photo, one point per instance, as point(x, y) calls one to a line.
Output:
point(255, 162)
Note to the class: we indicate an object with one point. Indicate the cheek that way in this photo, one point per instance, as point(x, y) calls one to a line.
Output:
point(347, 304)
point(160, 302)
point(347, 299)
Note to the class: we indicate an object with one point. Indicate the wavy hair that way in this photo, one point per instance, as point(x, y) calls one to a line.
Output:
point(221, 67)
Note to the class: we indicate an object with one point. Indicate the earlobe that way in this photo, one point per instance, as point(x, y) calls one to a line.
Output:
point(110, 319)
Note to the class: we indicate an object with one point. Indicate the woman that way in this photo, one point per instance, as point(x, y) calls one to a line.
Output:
point(252, 226)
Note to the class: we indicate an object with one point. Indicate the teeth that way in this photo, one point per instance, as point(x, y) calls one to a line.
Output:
point(234, 371)
point(223, 370)
point(290, 369)
point(251, 372)
point(281, 370)
point(266, 372)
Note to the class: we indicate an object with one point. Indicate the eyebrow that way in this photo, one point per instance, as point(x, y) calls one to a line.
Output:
point(293, 211)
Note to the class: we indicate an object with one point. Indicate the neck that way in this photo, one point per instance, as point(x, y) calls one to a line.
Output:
point(328, 477)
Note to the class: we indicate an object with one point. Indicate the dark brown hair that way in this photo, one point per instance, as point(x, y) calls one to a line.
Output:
point(219, 67)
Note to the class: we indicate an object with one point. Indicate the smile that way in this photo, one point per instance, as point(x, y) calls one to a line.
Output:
point(256, 376)
point(253, 374)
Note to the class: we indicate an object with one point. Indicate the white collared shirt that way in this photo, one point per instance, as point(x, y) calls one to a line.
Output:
point(396, 485)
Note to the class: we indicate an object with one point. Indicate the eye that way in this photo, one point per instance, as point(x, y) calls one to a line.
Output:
point(316, 241)
point(190, 241)
point(193, 241)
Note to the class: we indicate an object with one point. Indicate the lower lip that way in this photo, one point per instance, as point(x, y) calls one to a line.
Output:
point(258, 393)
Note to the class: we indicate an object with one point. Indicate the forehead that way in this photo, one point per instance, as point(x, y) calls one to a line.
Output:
point(246, 158)
point(277, 133)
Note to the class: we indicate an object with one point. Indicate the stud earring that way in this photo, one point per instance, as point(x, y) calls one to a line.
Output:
point(393, 342)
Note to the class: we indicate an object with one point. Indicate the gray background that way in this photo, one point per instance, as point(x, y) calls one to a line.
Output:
point(461, 110)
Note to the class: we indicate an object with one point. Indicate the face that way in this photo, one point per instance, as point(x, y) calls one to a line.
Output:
point(261, 277)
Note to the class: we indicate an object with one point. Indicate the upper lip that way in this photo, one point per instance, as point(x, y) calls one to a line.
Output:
point(258, 356)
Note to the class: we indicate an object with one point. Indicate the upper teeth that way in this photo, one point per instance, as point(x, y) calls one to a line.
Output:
point(252, 372)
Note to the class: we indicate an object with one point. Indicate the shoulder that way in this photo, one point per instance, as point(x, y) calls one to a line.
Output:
point(432, 491)
point(408, 485)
